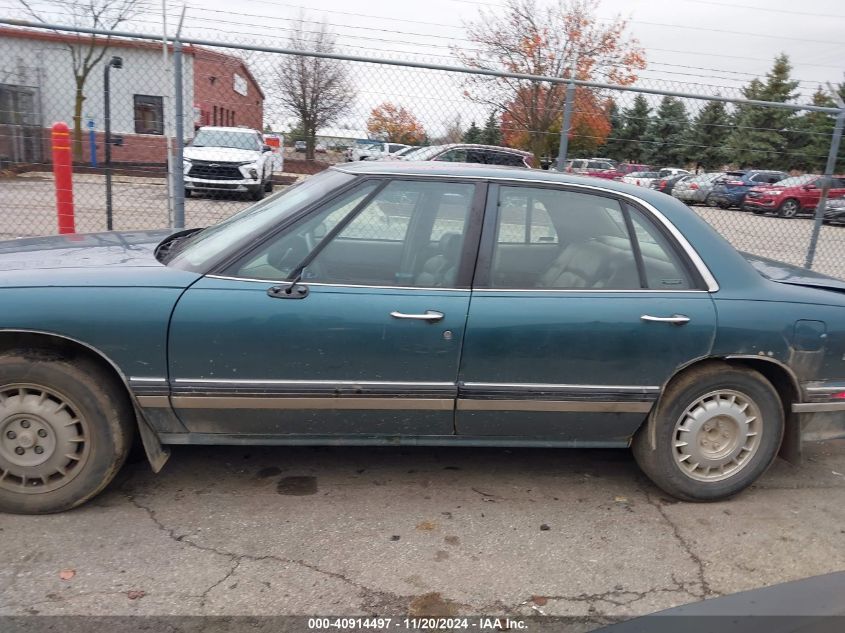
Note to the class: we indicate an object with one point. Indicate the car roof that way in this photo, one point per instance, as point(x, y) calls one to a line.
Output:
point(220, 128)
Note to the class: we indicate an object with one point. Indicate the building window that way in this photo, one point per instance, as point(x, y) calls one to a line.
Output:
point(149, 115)
point(215, 116)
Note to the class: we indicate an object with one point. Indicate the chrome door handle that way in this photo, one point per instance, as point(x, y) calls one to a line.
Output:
point(430, 315)
point(677, 319)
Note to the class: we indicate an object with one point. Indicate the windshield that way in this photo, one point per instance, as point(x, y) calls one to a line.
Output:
point(224, 138)
point(796, 181)
point(204, 247)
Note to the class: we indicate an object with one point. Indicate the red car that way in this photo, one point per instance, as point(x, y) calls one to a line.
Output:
point(791, 196)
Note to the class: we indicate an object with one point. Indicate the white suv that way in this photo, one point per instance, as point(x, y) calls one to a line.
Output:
point(373, 150)
point(228, 159)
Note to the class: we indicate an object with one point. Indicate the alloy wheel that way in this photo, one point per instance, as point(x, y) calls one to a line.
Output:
point(44, 440)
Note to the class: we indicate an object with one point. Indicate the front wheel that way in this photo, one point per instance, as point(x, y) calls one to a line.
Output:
point(257, 193)
point(789, 208)
point(65, 430)
point(715, 431)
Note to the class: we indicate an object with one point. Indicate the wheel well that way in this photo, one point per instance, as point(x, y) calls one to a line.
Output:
point(43, 344)
point(781, 379)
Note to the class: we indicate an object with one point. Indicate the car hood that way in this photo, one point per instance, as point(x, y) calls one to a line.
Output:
point(91, 259)
point(222, 154)
point(782, 272)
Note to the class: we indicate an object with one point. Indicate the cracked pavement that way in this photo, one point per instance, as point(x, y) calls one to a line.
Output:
point(420, 531)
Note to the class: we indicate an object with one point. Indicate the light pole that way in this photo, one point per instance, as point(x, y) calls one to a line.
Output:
point(114, 62)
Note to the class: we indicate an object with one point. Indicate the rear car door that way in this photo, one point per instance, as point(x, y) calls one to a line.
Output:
point(582, 307)
point(367, 343)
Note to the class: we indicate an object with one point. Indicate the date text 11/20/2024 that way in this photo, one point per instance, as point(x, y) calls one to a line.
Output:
point(416, 624)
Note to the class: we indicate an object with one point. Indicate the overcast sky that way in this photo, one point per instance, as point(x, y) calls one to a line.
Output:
point(691, 45)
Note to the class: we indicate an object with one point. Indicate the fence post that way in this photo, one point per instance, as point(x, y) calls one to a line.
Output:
point(63, 176)
point(178, 184)
point(114, 62)
point(828, 172)
point(565, 126)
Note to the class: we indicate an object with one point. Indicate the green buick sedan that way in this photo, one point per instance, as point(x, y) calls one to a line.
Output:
point(421, 304)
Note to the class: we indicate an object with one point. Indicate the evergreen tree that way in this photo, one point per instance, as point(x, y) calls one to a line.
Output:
point(760, 137)
point(707, 136)
point(492, 133)
point(810, 139)
point(635, 123)
point(666, 145)
point(614, 146)
point(473, 134)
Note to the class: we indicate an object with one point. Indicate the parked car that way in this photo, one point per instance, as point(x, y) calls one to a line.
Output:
point(671, 171)
point(473, 153)
point(623, 169)
point(834, 211)
point(320, 148)
point(696, 188)
point(589, 167)
point(665, 184)
point(791, 196)
point(299, 146)
point(730, 190)
point(373, 150)
point(641, 178)
point(230, 159)
point(402, 152)
point(429, 304)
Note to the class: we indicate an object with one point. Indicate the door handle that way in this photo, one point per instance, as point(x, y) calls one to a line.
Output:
point(677, 319)
point(430, 315)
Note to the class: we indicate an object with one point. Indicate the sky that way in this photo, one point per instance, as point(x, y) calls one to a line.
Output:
point(700, 46)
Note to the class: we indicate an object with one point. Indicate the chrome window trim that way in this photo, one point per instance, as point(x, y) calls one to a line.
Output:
point(695, 258)
point(325, 285)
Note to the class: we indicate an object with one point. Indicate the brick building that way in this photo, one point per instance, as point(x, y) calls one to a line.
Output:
point(37, 88)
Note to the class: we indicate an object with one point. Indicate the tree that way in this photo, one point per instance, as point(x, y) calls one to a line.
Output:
point(613, 144)
point(760, 134)
point(635, 123)
point(314, 89)
point(473, 134)
point(395, 125)
point(563, 39)
point(664, 137)
point(708, 134)
point(492, 132)
point(86, 51)
point(810, 142)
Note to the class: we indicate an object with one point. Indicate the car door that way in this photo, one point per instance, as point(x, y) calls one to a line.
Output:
point(366, 343)
point(574, 346)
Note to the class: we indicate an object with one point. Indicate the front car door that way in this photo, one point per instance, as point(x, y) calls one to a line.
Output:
point(584, 305)
point(367, 343)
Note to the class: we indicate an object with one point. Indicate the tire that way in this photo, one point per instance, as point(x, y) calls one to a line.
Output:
point(789, 208)
point(257, 193)
point(188, 193)
point(681, 416)
point(710, 201)
point(79, 418)
point(268, 186)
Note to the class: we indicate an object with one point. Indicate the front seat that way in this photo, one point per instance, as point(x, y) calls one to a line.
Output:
point(440, 271)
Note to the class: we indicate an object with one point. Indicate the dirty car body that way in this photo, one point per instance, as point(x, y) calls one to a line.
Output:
point(416, 303)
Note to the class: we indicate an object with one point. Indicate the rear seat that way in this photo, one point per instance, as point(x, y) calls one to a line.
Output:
point(606, 262)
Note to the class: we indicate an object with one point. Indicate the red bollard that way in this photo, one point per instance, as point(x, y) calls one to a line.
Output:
point(63, 174)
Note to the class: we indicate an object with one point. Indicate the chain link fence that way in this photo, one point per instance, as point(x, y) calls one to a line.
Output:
point(240, 133)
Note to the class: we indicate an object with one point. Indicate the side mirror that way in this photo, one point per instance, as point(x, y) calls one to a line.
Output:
point(266, 148)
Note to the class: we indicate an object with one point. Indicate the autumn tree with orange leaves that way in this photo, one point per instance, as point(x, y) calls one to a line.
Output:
point(395, 124)
point(564, 39)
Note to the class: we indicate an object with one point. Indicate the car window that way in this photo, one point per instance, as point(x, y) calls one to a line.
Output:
point(505, 158)
point(664, 269)
point(593, 249)
point(409, 233)
point(394, 147)
point(453, 156)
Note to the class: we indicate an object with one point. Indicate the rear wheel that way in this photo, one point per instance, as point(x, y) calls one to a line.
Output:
point(715, 431)
point(789, 208)
point(65, 430)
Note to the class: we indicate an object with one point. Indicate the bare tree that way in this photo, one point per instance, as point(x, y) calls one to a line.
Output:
point(562, 38)
point(316, 90)
point(86, 51)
